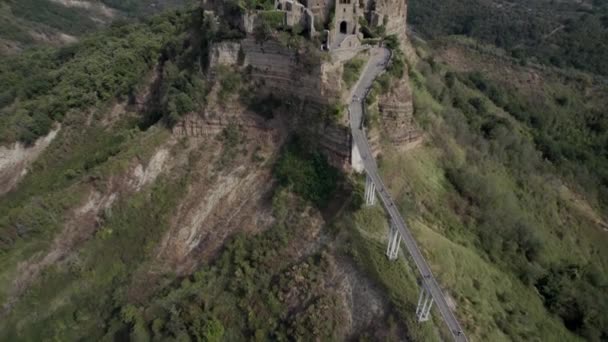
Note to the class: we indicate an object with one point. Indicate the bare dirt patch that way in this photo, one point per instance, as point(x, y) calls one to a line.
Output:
point(580, 204)
point(52, 37)
point(9, 47)
point(97, 8)
point(14, 160)
point(219, 203)
point(364, 300)
point(143, 175)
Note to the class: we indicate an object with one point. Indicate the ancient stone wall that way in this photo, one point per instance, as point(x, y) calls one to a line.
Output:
point(306, 90)
point(281, 73)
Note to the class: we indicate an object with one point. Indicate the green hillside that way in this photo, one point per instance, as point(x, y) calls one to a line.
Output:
point(126, 228)
point(570, 34)
point(516, 231)
point(88, 234)
point(25, 23)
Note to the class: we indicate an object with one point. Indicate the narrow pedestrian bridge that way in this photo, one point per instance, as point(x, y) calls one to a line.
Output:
point(363, 161)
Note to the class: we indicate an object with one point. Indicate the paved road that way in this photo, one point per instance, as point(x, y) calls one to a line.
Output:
point(374, 67)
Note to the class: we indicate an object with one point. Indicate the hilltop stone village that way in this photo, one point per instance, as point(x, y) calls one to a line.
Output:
point(278, 69)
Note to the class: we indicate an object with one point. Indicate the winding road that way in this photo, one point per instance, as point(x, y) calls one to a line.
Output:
point(375, 66)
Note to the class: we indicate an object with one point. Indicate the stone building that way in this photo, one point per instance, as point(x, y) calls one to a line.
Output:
point(343, 32)
point(297, 13)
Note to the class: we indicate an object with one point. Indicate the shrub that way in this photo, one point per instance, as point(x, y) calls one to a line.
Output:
point(272, 19)
point(306, 172)
point(352, 71)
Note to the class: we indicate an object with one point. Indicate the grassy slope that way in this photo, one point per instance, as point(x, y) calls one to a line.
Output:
point(562, 33)
point(489, 299)
point(496, 297)
point(367, 231)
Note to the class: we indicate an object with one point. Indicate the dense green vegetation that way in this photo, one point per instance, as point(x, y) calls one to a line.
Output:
point(28, 23)
point(75, 86)
point(42, 86)
point(522, 157)
point(306, 173)
point(397, 66)
point(246, 293)
point(493, 194)
point(489, 191)
point(70, 20)
point(563, 33)
point(569, 130)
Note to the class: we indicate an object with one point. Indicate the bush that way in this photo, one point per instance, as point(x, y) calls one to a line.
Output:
point(306, 172)
point(352, 71)
point(272, 19)
point(230, 82)
point(577, 302)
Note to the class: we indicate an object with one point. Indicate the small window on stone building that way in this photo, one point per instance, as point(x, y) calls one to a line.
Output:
point(288, 7)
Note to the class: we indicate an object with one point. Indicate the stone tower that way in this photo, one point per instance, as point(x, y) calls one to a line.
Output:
point(346, 26)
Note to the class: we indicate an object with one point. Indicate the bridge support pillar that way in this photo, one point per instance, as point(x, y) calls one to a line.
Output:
point(425, 302)
point(394, 240)
point(370, 191)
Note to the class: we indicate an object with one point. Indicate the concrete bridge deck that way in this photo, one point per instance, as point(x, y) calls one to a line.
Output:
point(375, 66)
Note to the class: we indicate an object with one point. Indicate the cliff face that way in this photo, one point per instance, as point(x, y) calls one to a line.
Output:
point(280, 71)
point(308, 85)
point(393, 13)
point(396, 114)
point(283, 71)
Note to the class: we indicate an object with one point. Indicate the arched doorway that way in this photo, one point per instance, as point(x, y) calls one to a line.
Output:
point(343, 26)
